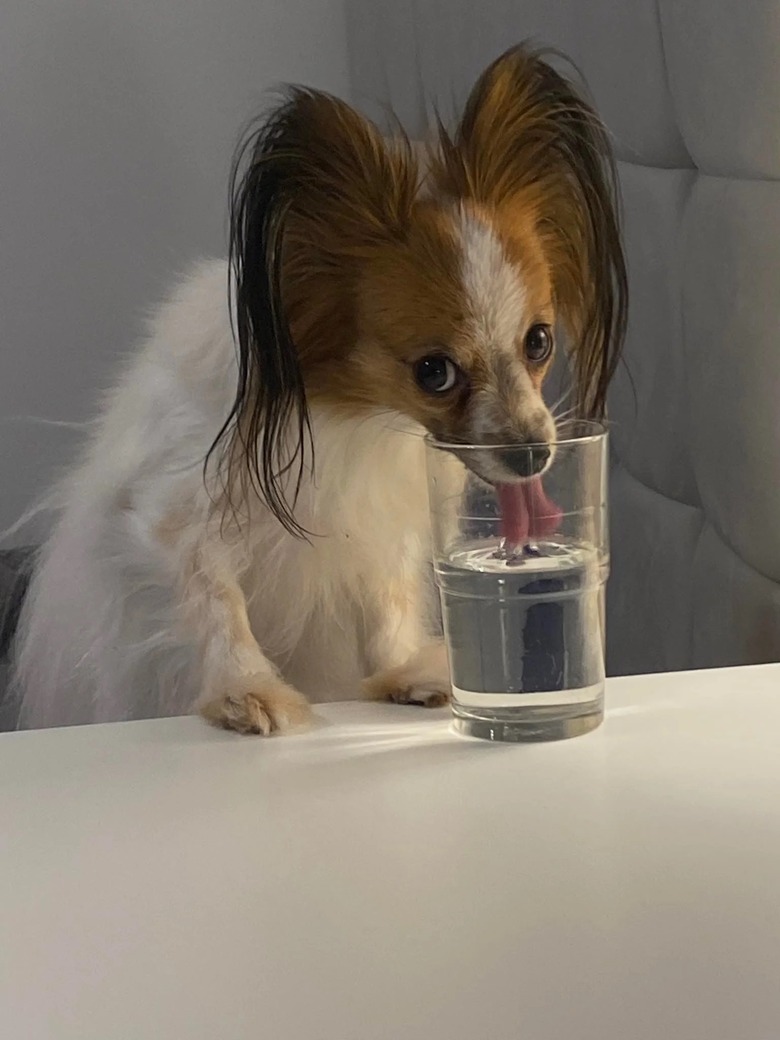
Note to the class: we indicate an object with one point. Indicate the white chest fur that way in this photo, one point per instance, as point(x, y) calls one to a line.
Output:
point(312, 602)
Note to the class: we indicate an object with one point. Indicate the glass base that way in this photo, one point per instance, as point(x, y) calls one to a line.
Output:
point(525, 725)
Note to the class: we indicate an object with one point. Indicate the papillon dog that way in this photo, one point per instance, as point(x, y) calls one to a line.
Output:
point(248, 529)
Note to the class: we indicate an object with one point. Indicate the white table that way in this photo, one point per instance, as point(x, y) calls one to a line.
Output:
point(382, 878)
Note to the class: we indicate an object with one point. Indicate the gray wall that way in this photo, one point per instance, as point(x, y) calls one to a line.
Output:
point(117, 121)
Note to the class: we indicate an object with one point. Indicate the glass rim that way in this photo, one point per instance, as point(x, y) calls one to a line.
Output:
point(596, 431)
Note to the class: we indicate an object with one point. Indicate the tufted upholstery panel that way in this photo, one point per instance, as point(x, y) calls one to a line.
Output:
point(690, 90)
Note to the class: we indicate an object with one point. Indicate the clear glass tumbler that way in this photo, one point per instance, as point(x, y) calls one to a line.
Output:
point(521, 562)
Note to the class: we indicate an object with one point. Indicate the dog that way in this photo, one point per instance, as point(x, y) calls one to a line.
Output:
point(247, 531)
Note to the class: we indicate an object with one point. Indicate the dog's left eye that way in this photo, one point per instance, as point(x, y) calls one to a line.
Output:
point(436, 374)
point(538, 343)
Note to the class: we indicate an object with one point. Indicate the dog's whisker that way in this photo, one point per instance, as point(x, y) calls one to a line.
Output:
point(562, 398)
point(563, 416)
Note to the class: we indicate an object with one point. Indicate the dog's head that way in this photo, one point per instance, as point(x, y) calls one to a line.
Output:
point(359, 281)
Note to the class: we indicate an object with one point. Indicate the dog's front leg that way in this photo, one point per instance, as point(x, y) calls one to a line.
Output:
point(240, 688)
point(403, 664)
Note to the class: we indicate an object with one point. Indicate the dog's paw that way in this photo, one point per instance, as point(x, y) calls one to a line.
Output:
point(258, 704)
point(423, 680)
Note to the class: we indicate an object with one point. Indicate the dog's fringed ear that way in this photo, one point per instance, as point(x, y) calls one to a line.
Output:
point(313, 188)
point(528, 139)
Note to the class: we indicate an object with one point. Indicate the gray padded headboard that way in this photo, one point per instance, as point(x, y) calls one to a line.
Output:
point(691, 92)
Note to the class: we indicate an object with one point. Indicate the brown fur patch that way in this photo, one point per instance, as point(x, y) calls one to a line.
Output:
point(315, 191)
point(412, 302)
point(530, 147)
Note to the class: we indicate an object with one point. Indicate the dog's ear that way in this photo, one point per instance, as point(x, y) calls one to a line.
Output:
point(314, 189)
point(528, 142)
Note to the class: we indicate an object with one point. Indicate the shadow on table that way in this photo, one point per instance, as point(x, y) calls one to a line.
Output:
point(388, 737)
point(427, 741)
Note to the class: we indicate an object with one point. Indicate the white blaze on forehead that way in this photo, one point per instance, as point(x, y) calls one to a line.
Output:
point(509, 405)
point(493, 287)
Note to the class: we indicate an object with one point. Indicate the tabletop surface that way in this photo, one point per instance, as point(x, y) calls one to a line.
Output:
point(380, 877)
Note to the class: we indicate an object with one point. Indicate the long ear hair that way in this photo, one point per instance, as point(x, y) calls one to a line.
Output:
point(528, 139)
point(313, 189)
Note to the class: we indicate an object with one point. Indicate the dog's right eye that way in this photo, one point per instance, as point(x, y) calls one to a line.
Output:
point(436, 374)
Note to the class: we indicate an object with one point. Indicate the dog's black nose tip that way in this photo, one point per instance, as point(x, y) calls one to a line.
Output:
point(526, 462)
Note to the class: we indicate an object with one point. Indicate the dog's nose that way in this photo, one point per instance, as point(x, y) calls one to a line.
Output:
point(526, 462)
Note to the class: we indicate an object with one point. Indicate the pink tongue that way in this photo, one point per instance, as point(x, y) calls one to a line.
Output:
point(526, 512)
